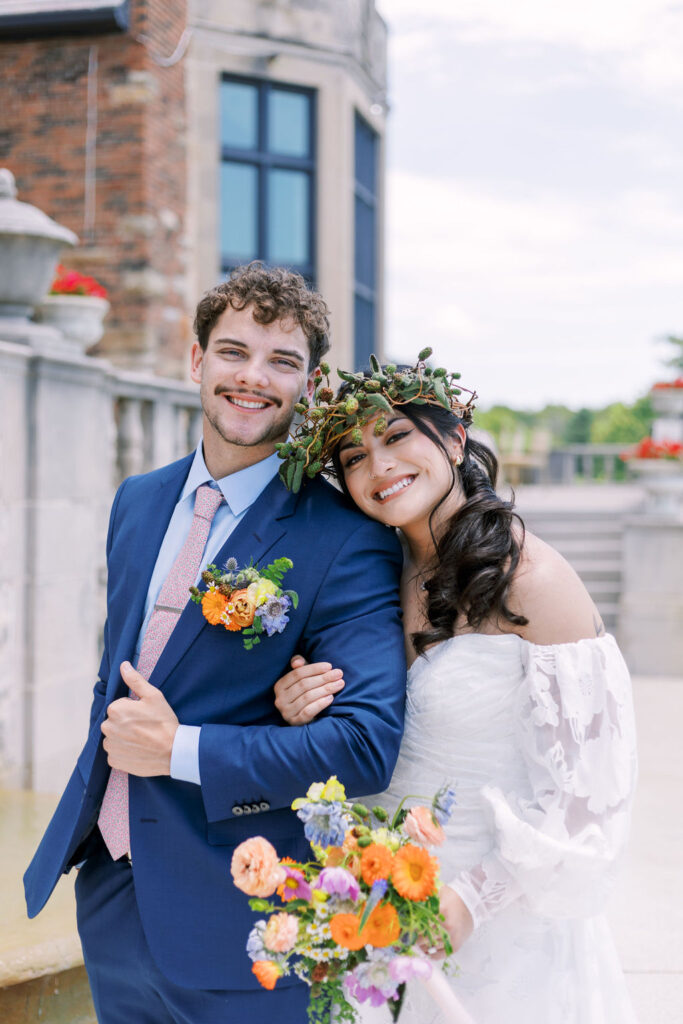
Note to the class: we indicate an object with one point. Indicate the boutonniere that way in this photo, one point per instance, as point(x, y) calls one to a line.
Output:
point(250, 601)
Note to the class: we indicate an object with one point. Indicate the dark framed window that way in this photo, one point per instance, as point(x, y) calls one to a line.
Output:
point(267, 174)
point(365, 242)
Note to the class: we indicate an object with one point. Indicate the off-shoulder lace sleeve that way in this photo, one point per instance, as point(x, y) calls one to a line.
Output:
point(556, 846)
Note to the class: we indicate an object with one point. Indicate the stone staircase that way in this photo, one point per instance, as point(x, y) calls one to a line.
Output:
point(591, 542)
point(586, 525)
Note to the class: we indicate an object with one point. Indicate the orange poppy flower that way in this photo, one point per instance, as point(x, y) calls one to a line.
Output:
point(382, 927)
point(267, 972)
point(414, 873)
point(213, 606)
point(344, 928)
point(376, 862)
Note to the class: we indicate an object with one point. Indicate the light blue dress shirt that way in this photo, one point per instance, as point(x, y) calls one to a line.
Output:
point(240, 490)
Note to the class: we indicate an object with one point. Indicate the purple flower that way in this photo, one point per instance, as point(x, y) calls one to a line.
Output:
point(273, 613)
point(255, 946)
point(324, 824)
point(294, 887)
point(378, 891)
point(338, 882)
point(371, 981)
point(403, 968)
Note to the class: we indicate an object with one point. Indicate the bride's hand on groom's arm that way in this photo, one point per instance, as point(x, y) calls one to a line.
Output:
point(307, 690)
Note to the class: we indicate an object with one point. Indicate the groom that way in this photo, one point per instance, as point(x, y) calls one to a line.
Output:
point(169, 782)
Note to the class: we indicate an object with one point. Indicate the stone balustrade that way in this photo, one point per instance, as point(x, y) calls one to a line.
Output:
point(71, 428)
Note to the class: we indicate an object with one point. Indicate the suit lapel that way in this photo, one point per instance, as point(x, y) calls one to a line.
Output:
point(262, 527)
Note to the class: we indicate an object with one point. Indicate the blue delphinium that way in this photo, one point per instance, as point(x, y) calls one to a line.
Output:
point(443, 804)
point(273, 613)
point(323, 823)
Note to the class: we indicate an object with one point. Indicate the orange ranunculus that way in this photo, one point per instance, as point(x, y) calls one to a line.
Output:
point(334, 855)
point(213, 606)
point(255, 867)
point(352, 850)
point(345, 931)
point(414, 872)
point(267, 972)
point(375, 863)
point(242, 608)
point(382, 927)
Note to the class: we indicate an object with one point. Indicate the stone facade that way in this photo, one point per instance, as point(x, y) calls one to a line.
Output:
point(129, 206)
point(150, 229)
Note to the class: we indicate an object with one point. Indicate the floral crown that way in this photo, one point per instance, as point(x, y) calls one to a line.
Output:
point(328, 418)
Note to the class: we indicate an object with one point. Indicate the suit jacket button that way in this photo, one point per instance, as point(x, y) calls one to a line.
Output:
point(237, 810)
point(255, 808)
point(246, 808)
point(264, 805)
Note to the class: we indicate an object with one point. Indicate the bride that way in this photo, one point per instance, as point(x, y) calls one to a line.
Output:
point(518, 699)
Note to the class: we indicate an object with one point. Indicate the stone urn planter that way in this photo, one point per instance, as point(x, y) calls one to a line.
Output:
point(667, 400)
point(78, 317)
point(663, 483)
point(30, 243)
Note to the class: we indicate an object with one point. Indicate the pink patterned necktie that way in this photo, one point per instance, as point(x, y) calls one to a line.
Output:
point(113, 820)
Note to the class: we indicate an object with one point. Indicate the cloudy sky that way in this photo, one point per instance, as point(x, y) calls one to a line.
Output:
point(535, 193)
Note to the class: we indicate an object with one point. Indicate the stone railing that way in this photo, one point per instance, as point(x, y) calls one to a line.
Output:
point(155, 421)
point(585, 463)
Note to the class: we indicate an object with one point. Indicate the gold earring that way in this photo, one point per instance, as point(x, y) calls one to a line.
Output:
point(458, 461)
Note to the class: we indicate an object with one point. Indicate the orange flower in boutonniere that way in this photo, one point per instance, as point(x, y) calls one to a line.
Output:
point(241, 608)
point(250, 601)
point(213, 605)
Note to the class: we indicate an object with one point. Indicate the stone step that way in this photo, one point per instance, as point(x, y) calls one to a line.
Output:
point(62, 998)
point(42, 977)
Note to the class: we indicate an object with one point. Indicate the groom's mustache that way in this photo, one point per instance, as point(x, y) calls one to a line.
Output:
point(248, 394)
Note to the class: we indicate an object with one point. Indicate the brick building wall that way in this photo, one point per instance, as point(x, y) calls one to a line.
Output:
point(133, 236)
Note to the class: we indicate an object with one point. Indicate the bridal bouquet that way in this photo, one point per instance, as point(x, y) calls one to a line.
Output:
point(349, 920)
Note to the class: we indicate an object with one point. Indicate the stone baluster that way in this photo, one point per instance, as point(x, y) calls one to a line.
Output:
point(195, 427)
point(131, 438)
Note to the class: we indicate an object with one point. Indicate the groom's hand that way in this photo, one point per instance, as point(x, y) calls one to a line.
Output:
point(139, 734)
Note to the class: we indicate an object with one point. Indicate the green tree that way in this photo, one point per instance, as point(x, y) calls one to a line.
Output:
point(578, 430)
point(622, 424)
point(676, 360)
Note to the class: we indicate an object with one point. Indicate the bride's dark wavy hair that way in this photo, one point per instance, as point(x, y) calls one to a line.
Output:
point(478, 550)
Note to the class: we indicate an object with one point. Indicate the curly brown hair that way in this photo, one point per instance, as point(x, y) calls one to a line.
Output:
point(274, 294)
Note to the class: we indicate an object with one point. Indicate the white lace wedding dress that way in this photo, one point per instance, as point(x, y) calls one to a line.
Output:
point(539, 744)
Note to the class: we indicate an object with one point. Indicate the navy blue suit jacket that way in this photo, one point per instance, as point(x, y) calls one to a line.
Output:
point(346, 572)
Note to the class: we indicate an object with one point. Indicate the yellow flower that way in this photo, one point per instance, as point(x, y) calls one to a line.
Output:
point(261, 591)
point(319, 895)
point(333, 789)
point(385, 837)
